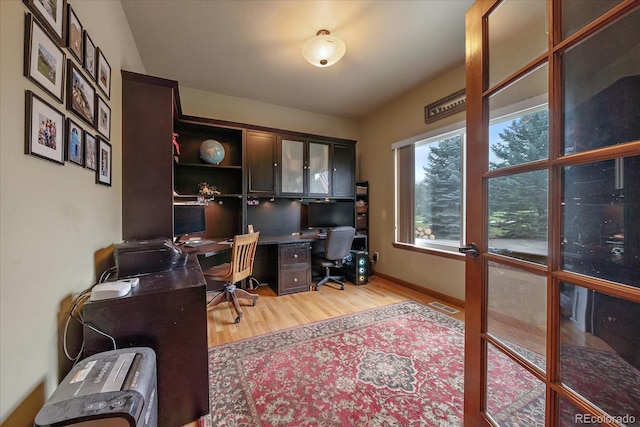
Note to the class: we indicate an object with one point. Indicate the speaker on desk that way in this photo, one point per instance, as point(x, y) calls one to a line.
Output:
point(356, 267)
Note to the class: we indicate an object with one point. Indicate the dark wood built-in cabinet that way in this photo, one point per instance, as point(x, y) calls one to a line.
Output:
point(258, 163)
point(148, 109)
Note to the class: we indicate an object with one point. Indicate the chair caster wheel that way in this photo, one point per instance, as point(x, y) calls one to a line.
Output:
point(255, 302)
point(238, 319)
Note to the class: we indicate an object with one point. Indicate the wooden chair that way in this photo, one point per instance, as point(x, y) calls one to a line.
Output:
point(241, 266)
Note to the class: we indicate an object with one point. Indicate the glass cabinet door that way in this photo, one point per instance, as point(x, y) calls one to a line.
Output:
point(319, 183)
point(291, 166)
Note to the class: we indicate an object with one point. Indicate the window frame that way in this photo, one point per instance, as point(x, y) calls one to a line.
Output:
point(433, 248)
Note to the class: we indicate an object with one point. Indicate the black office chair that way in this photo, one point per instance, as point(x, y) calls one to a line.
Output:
point(337, 247)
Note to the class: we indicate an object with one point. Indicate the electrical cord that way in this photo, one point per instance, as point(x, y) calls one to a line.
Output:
point(76, 314)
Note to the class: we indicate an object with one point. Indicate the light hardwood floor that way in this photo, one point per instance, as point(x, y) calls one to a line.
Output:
point(273, 313)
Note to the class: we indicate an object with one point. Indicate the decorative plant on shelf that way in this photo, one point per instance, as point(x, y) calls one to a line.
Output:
point(206, 189)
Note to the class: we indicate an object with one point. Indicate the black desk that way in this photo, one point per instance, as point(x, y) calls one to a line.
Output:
point(282, 261)
point(167, 312)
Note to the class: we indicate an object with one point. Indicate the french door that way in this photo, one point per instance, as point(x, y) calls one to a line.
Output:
point(553, 213)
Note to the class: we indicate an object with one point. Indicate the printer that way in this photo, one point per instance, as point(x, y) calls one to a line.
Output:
point(113, 388)
point(147, 256)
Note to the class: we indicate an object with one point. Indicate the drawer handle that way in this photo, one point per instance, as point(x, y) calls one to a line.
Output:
point(295, 255)
point(295, 279)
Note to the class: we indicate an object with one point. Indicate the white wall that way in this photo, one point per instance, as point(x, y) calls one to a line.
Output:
point(402, 119)
point(54, 219)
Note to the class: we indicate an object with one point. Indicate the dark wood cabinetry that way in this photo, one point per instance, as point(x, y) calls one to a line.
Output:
point(147, 156)
point(261, 163)
point(294, 267)
point(343, 171)
point(362, 210)
point(258, 162)
point(166, 312)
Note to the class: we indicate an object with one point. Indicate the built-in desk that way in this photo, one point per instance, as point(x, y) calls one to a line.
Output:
point(284, 262)
point(167, 312)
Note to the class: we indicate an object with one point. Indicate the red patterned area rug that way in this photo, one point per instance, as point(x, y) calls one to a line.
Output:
point(400, 365)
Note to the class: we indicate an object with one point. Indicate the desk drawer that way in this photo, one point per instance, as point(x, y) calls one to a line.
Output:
point(294, 280)
point(294, 253)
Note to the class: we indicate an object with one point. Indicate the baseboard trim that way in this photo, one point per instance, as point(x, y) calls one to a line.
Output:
point(426, 291)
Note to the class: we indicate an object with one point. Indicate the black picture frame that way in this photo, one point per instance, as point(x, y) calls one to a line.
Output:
point(81, 95)
point(103, 117)
point(44, 60)
point(75, 33)
point(104, 162)
point(74, 152)
point(52, 14)
point(44, 129)
point(103, 74)
point(89, 63)
point(90, 151)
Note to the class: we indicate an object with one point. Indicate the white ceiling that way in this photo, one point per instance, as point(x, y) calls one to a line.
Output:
point(253, 49)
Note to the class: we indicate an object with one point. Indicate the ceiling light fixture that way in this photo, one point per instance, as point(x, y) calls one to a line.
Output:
point(324, 49)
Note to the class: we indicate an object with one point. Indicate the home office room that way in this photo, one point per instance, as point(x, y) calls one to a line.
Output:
point(435, 223)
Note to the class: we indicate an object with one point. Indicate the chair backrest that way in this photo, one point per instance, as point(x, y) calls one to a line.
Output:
point(338, 244)
point(242, 256)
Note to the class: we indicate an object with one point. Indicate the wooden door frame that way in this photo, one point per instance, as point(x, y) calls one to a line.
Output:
point(477, 163)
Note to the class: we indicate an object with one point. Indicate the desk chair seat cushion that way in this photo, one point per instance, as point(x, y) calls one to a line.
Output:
point(337, 247)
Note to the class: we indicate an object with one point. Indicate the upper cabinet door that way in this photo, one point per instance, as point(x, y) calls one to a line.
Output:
point(319, 171)
point(261, 163)
point(292, 166)
point(344, 182)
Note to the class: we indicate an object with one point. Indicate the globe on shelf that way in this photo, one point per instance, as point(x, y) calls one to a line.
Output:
point(211, 151)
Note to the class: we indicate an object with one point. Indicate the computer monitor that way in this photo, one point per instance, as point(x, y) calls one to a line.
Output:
point(188, 219)
point(325, 215)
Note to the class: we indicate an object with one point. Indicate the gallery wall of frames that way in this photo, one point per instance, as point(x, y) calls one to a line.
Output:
point(72, 123)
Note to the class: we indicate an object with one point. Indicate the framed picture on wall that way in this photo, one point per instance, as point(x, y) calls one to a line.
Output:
point(103, 117)
point(74, 35)
point(90, 151)
point(81, 95)
point(52, 14)
point(74, 152)
point(44, 136)
point(103, 76)
point(44, 61)
point(103, 173)
point(89, 56)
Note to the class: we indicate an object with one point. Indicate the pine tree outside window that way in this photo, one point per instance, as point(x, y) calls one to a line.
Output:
point(430, 181)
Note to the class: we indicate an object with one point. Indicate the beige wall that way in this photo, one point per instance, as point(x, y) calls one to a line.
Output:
point(397, 121)
point(54, 219)
point(206, 104)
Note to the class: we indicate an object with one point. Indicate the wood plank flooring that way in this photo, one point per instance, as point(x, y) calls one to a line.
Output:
point(273, 313)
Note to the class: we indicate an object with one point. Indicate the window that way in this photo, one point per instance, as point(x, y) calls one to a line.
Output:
point(430, 190)
point(430, 210)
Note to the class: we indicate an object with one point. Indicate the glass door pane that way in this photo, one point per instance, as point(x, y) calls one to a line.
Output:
point(601, 88)
point(578, 13)
point(318, 169)
point(517, 311)
point(600, 350)
point(601, 220)
point(517, 35)
point(291, 170)
point(515, 397)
